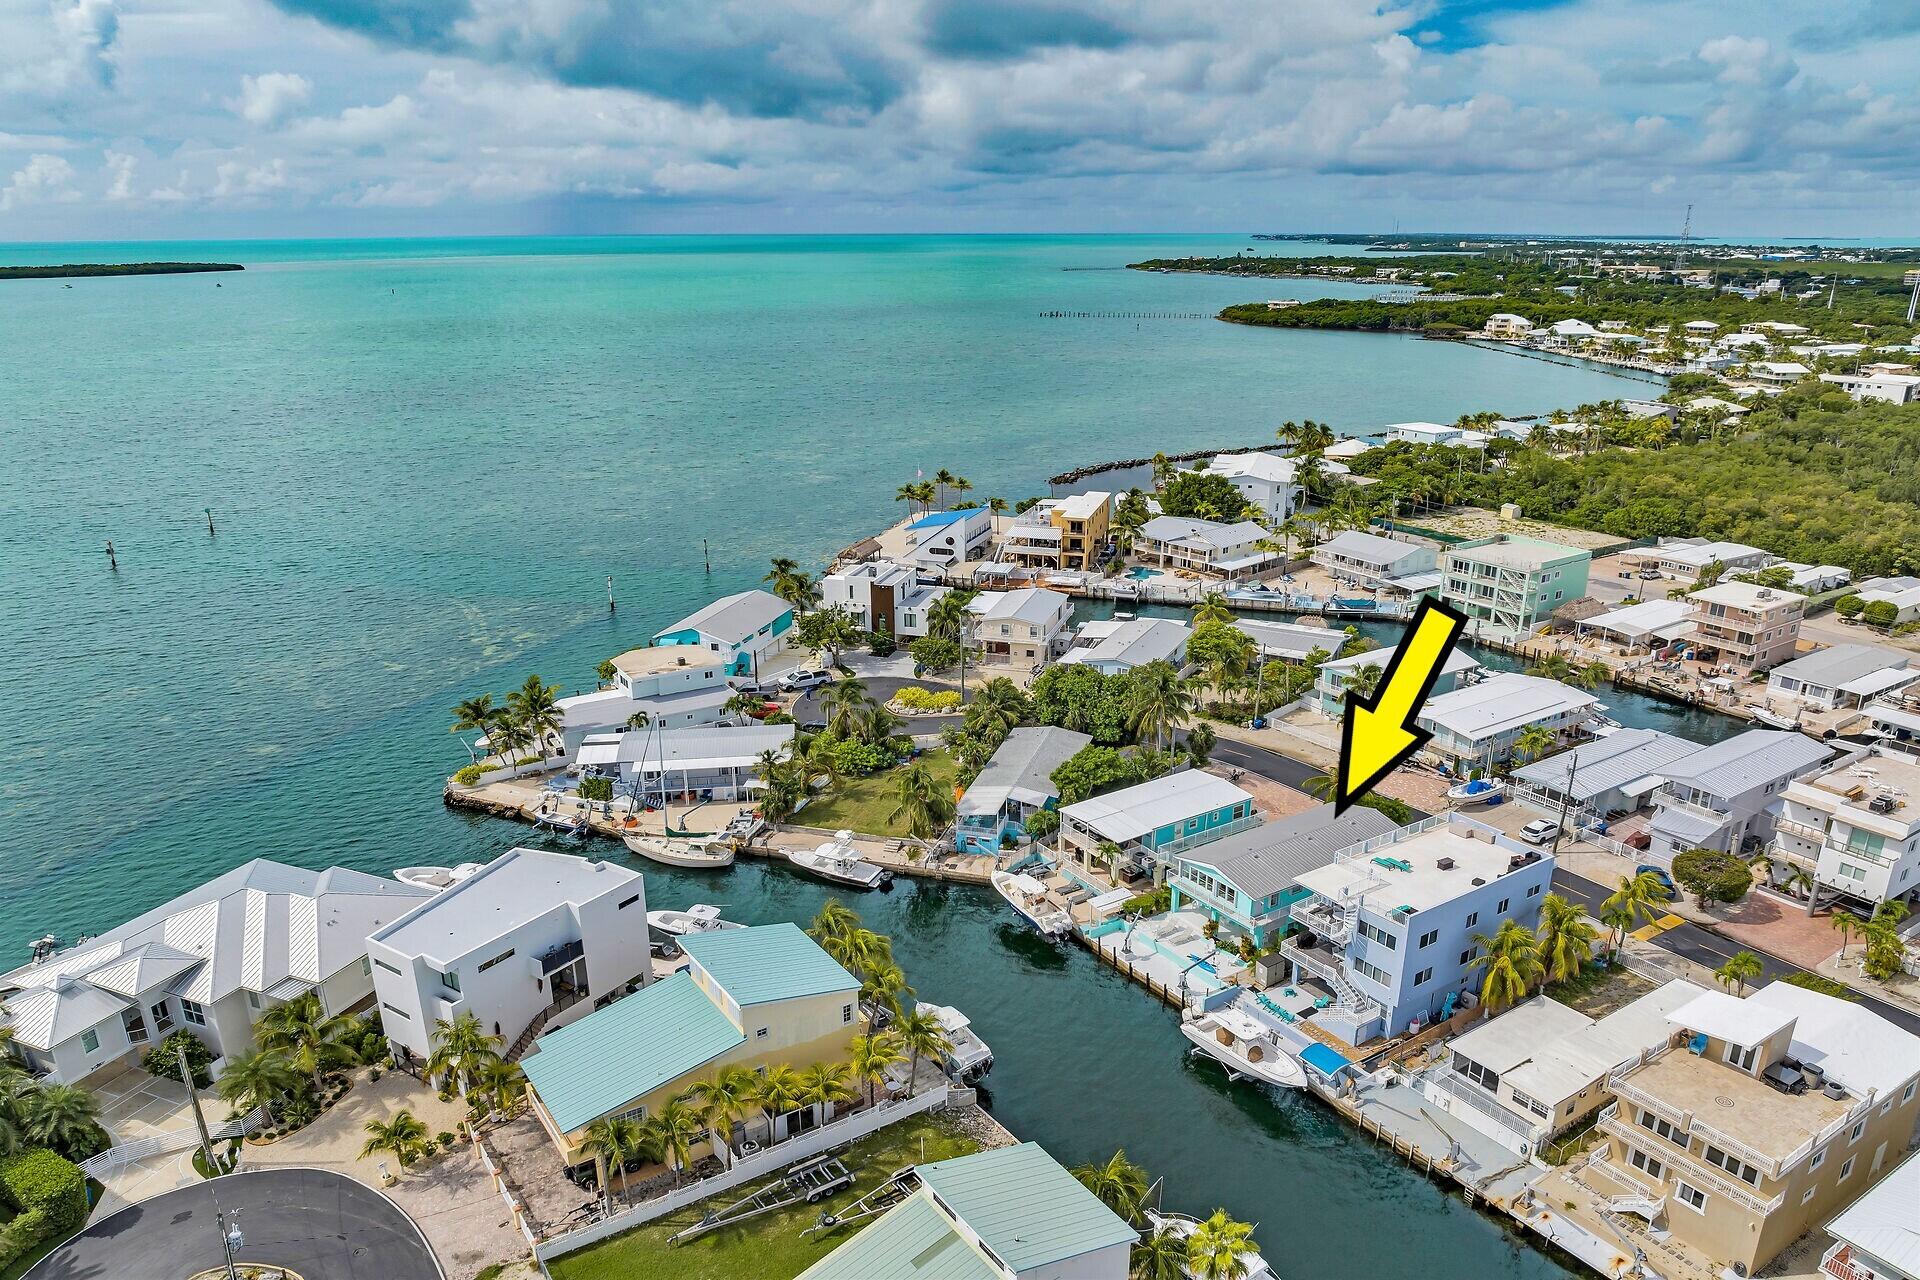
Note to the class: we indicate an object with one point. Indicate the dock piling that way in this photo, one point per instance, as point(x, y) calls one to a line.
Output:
point(113, 561)
point(609, 593)
point(209, 522)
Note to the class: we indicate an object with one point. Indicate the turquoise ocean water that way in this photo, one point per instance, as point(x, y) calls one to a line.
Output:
point(425, 457)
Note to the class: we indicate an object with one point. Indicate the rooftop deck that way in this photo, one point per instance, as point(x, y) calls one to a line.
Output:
point(1730, 1103)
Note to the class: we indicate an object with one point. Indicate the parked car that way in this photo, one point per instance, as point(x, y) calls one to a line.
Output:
point(758, 688)
point(1540, 831)
point(805, 678)
point(813, 726)
point(1666, 881)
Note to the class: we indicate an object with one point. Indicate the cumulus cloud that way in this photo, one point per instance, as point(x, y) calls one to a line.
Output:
point(268, 99)
point(44, 177)
point(119, 171)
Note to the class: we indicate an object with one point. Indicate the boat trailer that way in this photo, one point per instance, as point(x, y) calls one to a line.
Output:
point(809, 1181)
point(877, 1201)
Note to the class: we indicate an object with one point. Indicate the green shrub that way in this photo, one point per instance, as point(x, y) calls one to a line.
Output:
point(1044, 822)
point(859, 759)
point(467, 775)
point(1825, 986)
point(596, 788)
point(46, 1181)
point(914, 698)
point(163, 1059)
point(1849, 606)
point(1711, 875)
point(20, 1235)
point(1880, 613)
point(882, 644)
point(1152, 903)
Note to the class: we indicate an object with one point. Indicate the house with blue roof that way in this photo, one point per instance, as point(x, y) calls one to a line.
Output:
point(1008, 1212)
point(757, 997)
point(745, 629)
point(942, 538)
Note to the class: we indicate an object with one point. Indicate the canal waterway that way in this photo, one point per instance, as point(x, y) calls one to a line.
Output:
point(424, 458)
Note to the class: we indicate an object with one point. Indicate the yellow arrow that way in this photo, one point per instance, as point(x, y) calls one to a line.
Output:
point(1378, 734)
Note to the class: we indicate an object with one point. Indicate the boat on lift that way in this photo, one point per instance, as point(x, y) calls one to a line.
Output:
point(436, 878)
point(1245, 1046)
point(966, 1056)
point(1035, 903)
point(674, 851)
point(701, 917)
point(839, 862)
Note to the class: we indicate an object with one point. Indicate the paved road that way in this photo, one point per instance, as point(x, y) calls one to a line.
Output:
point(1269, 764)
point(810, 706)
point(322, 1225)
point(1703, 946)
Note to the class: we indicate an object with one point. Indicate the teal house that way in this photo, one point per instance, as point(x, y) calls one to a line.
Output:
point(744, 629)
point(1248, 882)
point(1012, 1213)
point(1151, 823)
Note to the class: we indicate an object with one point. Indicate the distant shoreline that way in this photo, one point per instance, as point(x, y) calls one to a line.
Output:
point(79, 269)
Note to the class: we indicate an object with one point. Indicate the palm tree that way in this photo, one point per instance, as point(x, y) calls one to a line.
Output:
point(922, 1036)
point(1212, 608)
point(1289, 433)
point(1847, 925)
point(925, 805)
point(64, 1117)
point(842, 699)
point(777, 1093)
point(461, 1047)
point(402, 1135)
point(1160, 1256)
point(997, 506)
point(257, 1079)
point(1800, 880)
point(1511, 961)
point(1639, 898)
point(884, 985)
point(725, 1100)
point(1217, 1249)
point(612, 1141)
point(1119, 1184)
point(1618, 918)
point(473, 715)
point(835, 920)
point(826, 1085)
point(942, 480)
point(1158, 702)
point(1364, 681)
point(1320, 786)
point(536, 708)
point(1533, 742)
point(909, 494)
point(676, 1128)
point(1566, 939)
point(791, 585)
point(872, 1055)
point(947, 616)
point(501, 1083)
point(875, 724)
point(1593, 674)
point(302, 1031)
point(960, 485)
point(1741, 968)
point(1552, 666)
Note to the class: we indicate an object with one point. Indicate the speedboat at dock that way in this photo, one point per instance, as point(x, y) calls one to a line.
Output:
point(1245, 1046)
point(1253, 1266)
point(839, 862)
point(1035, 902)
point(701, 917)
point(675, 851)
point(436, 878)
point(967, 1057)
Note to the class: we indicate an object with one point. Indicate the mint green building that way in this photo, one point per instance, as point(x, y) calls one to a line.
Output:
point(1512, 583)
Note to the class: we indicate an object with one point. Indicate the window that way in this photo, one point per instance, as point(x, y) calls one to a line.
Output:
point(1534, 892)
point(90, 1040)
point(451, 981)
point(1375, 972)
point(389, 968)
point(1808, 1194)
point(1671, 1132)
point(1421, 978)
point(1853, 1134)
point(846, 1013)
point(253, 999)
point(1534, 1105)
point(1691, 1196)
point(1488, 1080)
point(488, 964)
point(400, 1012)
point(1819, 1158)
point(1502, 908)
point(1846, 1170)
point(1742, 1058)
point(1466, 957)
point(161, 1018)
point(627, 902)
point(1644, 1162)
point(1745, 1172)
point(1473, 920)
point(366, 967)
point(1851, 872)
point(1379, 935)
point(761, 1034)
point(633, 1113)
point(193, 1013)
point(1430, 937)
point(1906, 1095)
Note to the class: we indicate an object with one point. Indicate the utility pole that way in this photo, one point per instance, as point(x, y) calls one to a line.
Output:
point(1914, 301)
point(193, 1093)
point(1566, 803)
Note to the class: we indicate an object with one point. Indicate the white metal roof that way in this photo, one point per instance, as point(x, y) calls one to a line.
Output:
point(736, 618)
point(1368, 548)
point(1255, 466)
point(1458, 660)
point(1621, 759)
point(1513, 551)
point(1133, 812)
point(1884, 1222)
point(1643, 619)
point(1727, 1017)
point(1502, 703)
point(1562, 1068)
point(1502, 1043)
point(1290, 639)
point(1851, 1043)
point(1747, 760)
point(696, 747)
point(1022, 769)
point(1034, 605)
point(518, 886)
point(1211, 534)
point(1137, 642)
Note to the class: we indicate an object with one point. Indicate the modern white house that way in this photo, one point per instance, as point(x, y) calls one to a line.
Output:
point(1114, 648)
point(941, 539)
point(1265, 480)
point(1155, 821)
point(529, 941)
point(1423, 433)
point(1507, 326)
point(1348, 449)
point(715, 762)
point(1389, 923)
point(1007, 1213)
point(1649, 626)
point(1890, 388)
point(1475, 727)
point(1329, 693)
point(1204, 546)
point(745, 629)
point(1024, 629)
point(1855, 826)
point(1016, 784)
point(1776, 373)
point(1844, 676)
point(673, 685)
point(1370, 558)
point(211, 961)
point(1726, 795)
point(883, 596)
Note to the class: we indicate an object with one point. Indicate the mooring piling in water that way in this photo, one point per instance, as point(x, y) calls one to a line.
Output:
point(609, 593)
point(113, 561)
point(209, 522)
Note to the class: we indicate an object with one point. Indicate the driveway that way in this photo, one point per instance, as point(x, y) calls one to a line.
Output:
point(321, 1225)
point(135, 1105)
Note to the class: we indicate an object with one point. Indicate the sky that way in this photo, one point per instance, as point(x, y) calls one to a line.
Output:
point(157, 119)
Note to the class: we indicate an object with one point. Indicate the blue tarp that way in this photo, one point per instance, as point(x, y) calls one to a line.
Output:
point(1324, 1060)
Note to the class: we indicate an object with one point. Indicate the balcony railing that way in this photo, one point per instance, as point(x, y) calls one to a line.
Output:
point(1207, 836)
point(1686, 1167)
point(1840, 1263)
point(1457, 1086)
point(1804, 830)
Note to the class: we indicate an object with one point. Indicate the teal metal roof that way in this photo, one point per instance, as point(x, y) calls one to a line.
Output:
point(767, 962)
point(912, 1241)
point(1024, 1206)
point(631, 1047)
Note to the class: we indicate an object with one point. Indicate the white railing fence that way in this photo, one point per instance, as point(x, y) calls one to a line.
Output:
point(515, 1209)
point(760, 1166)
point(160, 1144)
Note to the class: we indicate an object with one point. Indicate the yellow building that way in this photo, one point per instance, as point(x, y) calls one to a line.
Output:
point(1765, 1118)
point(759, 997)
point(1060, 533)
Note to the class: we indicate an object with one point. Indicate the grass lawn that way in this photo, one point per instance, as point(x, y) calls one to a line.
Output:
point(770, 1246)
point(866, 805)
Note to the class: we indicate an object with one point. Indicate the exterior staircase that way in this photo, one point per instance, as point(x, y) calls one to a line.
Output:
point(525, 1041)
point(1646, 1206)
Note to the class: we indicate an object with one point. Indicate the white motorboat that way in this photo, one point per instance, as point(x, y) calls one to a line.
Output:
point(967, 1057)
point(837, 860)
point(1477, 791)
point(701, 917)
point(1245, 1046)
point(1035, 902)
point(1254, 1266)
point(675, 851)
point(435, 878)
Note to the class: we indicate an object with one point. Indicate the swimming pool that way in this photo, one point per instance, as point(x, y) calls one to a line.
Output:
point(1140, 573)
